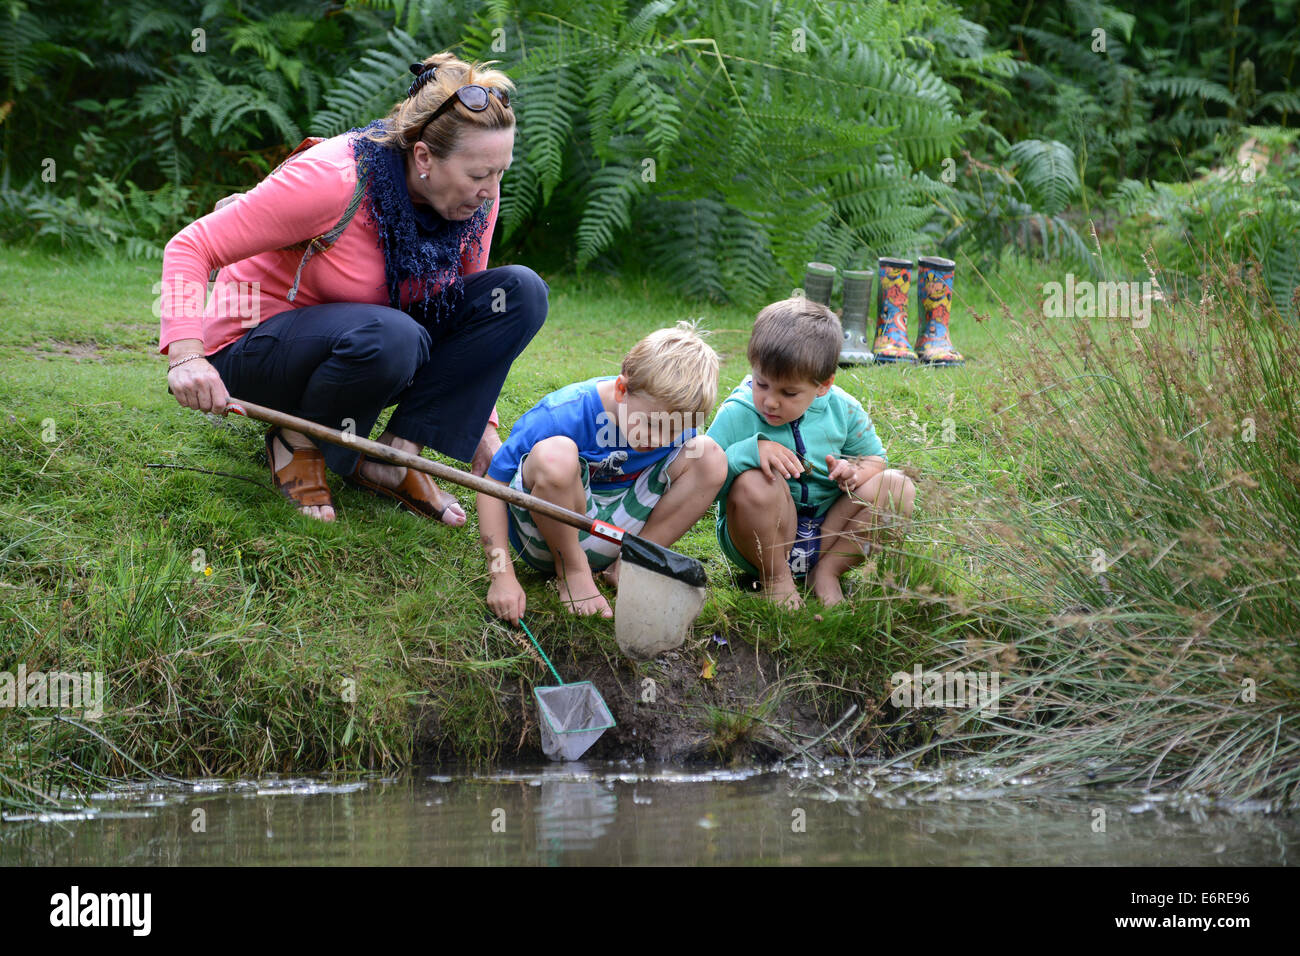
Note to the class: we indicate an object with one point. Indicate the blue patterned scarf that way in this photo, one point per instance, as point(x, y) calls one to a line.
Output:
point(420, 248)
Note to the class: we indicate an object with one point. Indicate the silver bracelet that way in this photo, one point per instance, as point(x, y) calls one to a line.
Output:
point(188, 358)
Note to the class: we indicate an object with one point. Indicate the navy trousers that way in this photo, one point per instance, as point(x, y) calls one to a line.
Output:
point(342, 360)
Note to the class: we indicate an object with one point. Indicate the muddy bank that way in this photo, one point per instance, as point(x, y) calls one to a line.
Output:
point(715, 701)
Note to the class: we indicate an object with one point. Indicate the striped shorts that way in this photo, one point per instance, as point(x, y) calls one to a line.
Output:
point(627, 507)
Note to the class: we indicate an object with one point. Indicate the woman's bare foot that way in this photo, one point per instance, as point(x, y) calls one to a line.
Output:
point(283, 456)
point(827, 587)
point(589, 600)
point(390, 476)
point(783, 593)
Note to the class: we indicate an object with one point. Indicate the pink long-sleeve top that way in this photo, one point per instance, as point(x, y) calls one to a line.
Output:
point(246, 240)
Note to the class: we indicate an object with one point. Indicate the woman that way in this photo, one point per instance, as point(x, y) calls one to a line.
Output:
point(355, 277)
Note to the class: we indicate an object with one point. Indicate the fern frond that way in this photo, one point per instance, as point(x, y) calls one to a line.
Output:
point(1047, 170)
point(1189, 87)
point(20, 37)
point(552, 99)
point(1284, 101)
point(612, 191)
point(371, 88)
point(642, 25)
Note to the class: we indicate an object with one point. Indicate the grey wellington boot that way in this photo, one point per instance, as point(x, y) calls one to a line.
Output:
point(818, 280)
point(856, 349)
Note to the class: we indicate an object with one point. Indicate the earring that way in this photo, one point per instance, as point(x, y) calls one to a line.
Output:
point(424, 175)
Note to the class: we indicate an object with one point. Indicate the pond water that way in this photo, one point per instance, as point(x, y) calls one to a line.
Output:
point(632, 813)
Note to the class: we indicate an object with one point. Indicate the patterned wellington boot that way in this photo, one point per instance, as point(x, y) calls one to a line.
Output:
point(934, 292)
point(818, 279)
point(891, 311)
point(855, 349)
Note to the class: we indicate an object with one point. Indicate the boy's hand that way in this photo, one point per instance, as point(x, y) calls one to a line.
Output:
point(841, 472)
point(506, 598)
point(849, 475)
point(774, 458)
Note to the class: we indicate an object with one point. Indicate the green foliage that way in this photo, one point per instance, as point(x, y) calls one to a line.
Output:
point(1047, 173)
point(722, 143)
point(1020, 207)
point(179, 121)
point(1172, 79)
point(91, 211)
point(369, 90)
point(1230, 213)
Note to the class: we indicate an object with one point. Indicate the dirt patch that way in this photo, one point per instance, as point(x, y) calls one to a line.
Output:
point(745, 710)
point(77, 351)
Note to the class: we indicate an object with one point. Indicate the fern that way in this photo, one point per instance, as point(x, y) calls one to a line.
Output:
point(370, 89)
point(1282, 275)
point(1283, 101)
point(21, 35)
point(553, 99)
point(682, 237)
point(612, 191)
point(147, 18)
point(271, 38)
point(645, 105)
point(1047, 171)
point(640, 27)
point(1189, 87)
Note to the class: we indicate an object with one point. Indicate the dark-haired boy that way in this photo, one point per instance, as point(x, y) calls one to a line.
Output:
point(781, 422)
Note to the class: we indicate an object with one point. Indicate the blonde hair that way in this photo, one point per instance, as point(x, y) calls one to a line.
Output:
point(796, 338)
point(403, 123)
point(675, 368)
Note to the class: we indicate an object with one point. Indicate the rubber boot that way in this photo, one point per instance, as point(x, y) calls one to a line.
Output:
point(934, 294)
point(891, 311)
point(855, 349)
point(818, 280)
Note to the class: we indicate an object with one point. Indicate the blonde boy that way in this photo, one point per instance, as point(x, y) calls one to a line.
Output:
point(623, 449)
point(808, 489)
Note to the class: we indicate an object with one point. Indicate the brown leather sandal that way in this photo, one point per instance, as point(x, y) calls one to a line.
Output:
point(302, 480)
point(416, 493)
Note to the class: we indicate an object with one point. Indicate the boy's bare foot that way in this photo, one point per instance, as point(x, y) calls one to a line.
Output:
point(783, 593)
point(827, 587)
point(282, 456)
point(610, 574)
point(589, 600)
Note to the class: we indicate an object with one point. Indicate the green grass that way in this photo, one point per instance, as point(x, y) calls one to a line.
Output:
point(311, 646)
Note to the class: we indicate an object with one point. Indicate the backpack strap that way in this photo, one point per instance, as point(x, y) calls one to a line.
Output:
point(325, 240)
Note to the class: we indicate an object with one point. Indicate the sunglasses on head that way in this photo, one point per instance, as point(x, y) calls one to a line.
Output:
point(472, 97)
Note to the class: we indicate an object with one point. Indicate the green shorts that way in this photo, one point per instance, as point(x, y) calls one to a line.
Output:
point(627, 507)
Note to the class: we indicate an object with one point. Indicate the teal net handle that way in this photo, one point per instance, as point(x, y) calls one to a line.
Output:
point(542, 652)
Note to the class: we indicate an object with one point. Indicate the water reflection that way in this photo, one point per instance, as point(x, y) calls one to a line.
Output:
point(625, 813)
point(573, 815)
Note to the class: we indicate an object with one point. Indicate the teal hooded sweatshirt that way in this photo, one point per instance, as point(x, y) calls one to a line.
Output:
point(834, 424)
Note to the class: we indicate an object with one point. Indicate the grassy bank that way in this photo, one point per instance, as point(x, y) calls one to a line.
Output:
point(238, 637)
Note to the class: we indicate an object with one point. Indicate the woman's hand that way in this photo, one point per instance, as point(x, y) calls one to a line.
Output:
point(196, 384)
point(774, 458)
